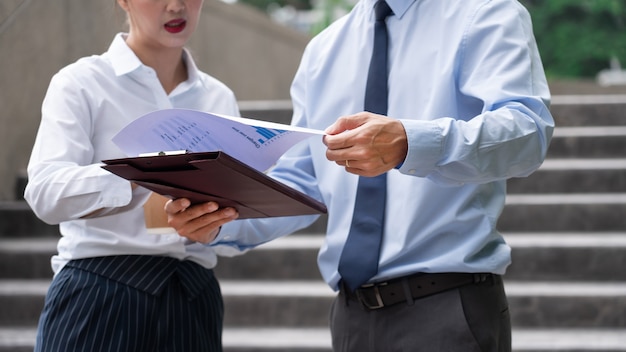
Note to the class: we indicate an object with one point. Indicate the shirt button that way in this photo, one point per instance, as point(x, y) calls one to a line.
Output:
point(412, 171)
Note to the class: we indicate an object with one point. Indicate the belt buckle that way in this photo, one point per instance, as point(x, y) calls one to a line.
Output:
point(361, 297)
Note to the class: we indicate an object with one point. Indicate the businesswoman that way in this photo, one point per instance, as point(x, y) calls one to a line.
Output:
point(116, 287)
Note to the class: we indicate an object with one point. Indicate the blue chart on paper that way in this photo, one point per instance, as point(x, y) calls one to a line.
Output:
point(267, 134)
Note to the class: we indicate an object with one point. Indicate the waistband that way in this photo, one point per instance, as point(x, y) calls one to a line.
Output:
point(411, 287)
point(148, 273)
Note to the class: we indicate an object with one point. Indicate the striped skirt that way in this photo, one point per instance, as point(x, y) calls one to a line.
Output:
point(132, 303)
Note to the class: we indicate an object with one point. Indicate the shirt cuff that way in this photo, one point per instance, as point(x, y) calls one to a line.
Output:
point(424, 140)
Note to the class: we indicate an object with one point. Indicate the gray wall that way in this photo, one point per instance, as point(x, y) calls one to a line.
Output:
point(237, 44)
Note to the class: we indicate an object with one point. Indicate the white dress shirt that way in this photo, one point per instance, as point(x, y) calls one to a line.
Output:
point(467, 82)
point(87, 103)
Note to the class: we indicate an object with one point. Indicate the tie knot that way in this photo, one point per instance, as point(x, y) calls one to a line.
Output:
point(382, 10)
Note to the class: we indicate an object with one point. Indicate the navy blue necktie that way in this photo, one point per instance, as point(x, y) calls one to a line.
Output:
point(359, 258)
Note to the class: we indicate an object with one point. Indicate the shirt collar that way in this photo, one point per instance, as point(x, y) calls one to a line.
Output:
point(122, 57)
point(399, 7)
point(192, 69)
point(124, 60)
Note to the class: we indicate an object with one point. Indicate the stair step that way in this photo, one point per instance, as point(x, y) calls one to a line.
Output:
point(17, 339)
point(589, 131)
point(27, 258)
point(253, 339)
point(558, 256)
point(593, 100)
point(565, 224)
point(564, 212)
point(589, 110)
point(18, 220)
point(593, 164)
point(567, 256)
point(279, 111)
point(523, 212)
point(570, 340)
point(568, 110)
point(586, 142)
point(582, 198)
point(576, 175)
point(292, 339)
point(306, 303)
point(280, 339)
point(533, 304)
point(597, 202)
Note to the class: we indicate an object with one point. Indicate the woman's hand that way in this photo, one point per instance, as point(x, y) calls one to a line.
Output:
point(200, 222)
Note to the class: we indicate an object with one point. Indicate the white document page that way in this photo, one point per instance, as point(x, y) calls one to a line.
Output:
point(254, 142)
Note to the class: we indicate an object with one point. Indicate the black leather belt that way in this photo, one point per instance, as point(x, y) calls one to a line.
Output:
point(409, 288)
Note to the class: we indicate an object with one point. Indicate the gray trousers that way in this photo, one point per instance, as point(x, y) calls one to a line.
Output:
point(471, 318)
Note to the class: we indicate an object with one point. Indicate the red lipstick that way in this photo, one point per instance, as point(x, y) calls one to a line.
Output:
point(175, 26)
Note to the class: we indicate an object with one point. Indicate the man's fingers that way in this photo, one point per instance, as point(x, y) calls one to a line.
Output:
point(345, 123)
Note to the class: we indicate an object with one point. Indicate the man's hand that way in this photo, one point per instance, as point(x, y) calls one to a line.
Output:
point(366, 144)
point(199, 223)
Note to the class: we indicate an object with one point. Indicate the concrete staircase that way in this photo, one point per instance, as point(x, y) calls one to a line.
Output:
point(566, 224)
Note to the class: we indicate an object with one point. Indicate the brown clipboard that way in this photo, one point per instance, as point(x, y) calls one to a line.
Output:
point(215, 176)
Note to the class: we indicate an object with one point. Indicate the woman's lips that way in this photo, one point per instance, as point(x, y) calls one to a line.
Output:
point(175, 26)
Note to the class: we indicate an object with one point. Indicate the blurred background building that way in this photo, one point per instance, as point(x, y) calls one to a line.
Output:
point(254, 46)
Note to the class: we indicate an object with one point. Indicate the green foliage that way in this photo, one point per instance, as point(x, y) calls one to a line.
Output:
point(331, 10)
point(577, 38)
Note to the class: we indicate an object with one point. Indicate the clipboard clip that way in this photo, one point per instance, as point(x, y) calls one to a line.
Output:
point(166, 152)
